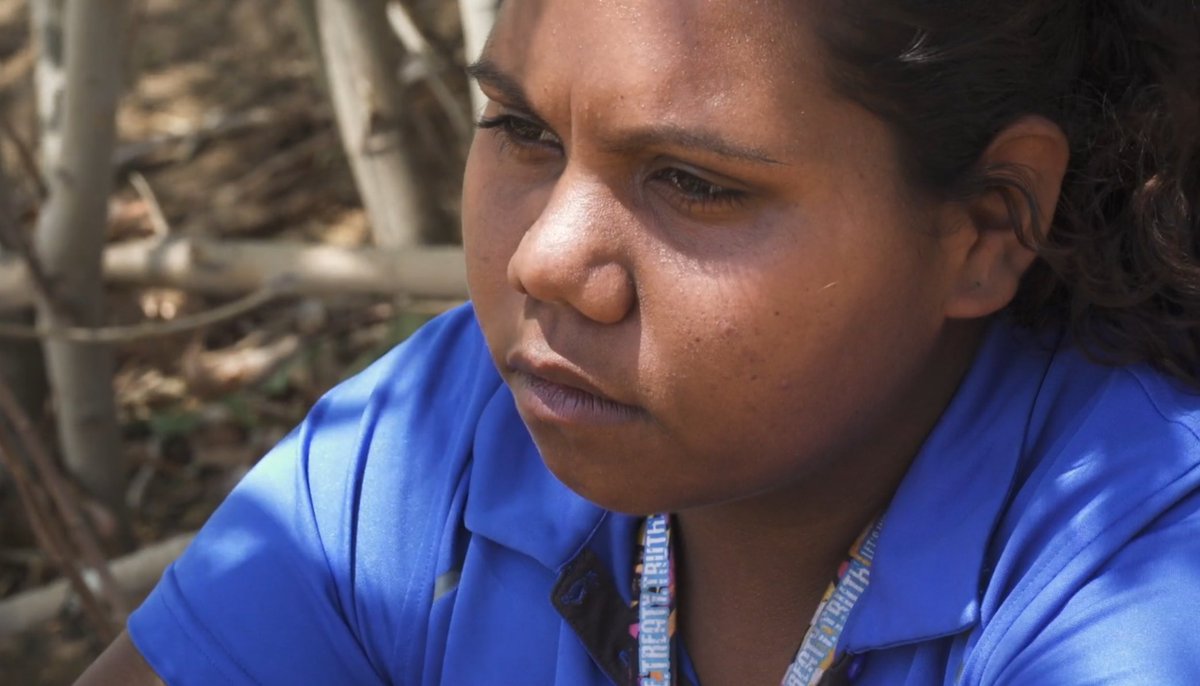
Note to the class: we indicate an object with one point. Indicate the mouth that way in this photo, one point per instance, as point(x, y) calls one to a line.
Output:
point(550, 391)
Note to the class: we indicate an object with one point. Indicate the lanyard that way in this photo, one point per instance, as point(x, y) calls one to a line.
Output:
point(655, 631)
point(656, 603)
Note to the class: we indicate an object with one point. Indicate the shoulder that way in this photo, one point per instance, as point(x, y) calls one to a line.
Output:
point(446, 356)
point(319, 566)
point(411, 413)
point(1099, 546)
point(1105, 452)
point(403, 425)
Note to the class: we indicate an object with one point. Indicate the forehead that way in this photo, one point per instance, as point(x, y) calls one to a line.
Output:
point(702, 58)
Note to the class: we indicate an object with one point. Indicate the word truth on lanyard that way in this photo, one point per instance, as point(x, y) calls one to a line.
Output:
point(656, 608)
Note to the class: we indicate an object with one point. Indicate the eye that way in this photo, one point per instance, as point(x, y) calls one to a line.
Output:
point(521, 131)
point(695, 192)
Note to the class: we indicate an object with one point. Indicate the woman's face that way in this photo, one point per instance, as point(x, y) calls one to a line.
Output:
point(698, 269)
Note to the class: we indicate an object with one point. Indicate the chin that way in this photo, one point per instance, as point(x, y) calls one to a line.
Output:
point(626, 503)
point(617, 488)
point(624, 488)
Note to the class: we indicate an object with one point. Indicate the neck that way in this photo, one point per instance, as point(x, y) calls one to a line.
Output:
point(752, 572)
point(751, 575)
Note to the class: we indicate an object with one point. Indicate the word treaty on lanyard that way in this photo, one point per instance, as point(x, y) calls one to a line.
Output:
point(656, 608)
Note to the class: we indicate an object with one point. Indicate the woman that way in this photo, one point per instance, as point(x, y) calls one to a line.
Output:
point(810, 277)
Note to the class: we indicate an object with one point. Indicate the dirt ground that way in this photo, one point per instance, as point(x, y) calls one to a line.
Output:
point(227, 122)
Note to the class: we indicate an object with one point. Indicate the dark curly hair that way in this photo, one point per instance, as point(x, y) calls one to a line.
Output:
point(1120, 265)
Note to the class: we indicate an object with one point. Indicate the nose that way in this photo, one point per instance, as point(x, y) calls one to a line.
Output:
point(572, 255)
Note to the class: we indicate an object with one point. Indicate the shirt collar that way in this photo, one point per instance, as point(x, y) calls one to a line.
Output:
point(926, 576)
point(514, 500)
point(930, 563)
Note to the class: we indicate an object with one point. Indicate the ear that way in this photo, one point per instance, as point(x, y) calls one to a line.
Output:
point(990, 257)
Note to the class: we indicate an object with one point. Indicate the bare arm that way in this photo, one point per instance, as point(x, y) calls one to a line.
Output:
point(120, 665)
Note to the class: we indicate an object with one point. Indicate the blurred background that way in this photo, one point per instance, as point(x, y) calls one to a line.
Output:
point(210, 212)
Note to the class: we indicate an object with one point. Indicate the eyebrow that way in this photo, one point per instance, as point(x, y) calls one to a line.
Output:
point(486, 72)
point(671, 135)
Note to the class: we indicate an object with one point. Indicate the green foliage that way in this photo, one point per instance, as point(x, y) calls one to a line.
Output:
point(174, 423)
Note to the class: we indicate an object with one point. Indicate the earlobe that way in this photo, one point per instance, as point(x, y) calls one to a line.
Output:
point(1010, 214)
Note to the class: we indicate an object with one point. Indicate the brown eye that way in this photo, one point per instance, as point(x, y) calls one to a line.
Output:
point(521, 131)
point(696, 192)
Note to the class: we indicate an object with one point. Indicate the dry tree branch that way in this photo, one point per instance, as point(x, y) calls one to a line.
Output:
point(49, 520)
point(235, 267)
point(51, 541)
point(133, 332)
point(69, 240)
point(135, 572)
point(360, 58)
point(68, 510)
point(25, 155)
point(432, 69)
point(158, 219)
point(47, 19)
point(215, 126)
point(13, 239)
point(477, 19)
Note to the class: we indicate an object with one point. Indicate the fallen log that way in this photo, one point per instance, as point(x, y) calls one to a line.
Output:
point(231, 268)
point(135, 574)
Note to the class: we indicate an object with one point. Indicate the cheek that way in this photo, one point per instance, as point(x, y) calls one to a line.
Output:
point(490, 236)
point(717, 355)
point(477, 197)
point(491, 224)
point(777, 362)
point(500, 201)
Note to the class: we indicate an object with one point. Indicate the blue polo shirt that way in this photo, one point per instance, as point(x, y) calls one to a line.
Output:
point(407, 532)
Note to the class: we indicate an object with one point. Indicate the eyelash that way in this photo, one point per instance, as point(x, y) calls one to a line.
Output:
point(519, 131)
point(694, 191)
point(691, 191)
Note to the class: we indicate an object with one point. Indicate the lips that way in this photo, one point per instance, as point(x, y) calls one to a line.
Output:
point(549, 390)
